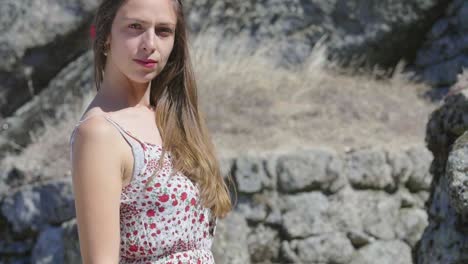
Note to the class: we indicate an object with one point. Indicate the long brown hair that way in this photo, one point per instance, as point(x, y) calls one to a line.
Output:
point(181, 124)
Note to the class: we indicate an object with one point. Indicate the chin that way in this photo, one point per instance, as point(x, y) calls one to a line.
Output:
point(143, 78)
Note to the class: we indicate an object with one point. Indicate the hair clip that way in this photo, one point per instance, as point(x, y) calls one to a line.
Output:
point(92, 31)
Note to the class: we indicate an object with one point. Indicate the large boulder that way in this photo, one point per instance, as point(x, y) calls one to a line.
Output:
point(38, 39)
point(382, 32)
point(444, 52)
point(445, 239)
point(64, 94)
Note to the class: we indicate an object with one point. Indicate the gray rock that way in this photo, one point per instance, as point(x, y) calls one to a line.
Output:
point(326, 248)
point(3, 183)
point(71, 244)
point(265, 206)
point(35, 207)
point(445, 72)
point(11, 247)
point(49, 247)
point(310, 170)
point(420, 177)
point(409, 199)
point(384, 252)
point(443, 55)
point(445, 239)
point(401, 166)
point(37, 41)
point(250, 174)
point(411, 225)
point(231, 240)
point(306, 215)
point(288, 254)
point(64, 93)
point(251, 208)
point(380, 33)
point(373, 212)
point(343, 211)
point(445, 125)
point(274, 207)
point(17, 260)
point(264, 244)
point(368, 169)
point(226, 165)
point(457, 176)
point(379, 214)
point(359, 238)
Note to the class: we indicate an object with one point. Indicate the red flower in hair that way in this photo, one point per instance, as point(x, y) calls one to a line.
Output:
point(92, 31)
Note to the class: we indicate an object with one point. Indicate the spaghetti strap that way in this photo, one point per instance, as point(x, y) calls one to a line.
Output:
point(123, 130)
point(136, 146)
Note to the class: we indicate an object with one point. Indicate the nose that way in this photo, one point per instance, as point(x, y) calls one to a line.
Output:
point(149, 42)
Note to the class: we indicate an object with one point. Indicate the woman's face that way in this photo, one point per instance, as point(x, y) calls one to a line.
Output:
point(142, 30)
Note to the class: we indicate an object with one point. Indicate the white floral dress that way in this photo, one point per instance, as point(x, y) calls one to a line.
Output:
point(164, 223)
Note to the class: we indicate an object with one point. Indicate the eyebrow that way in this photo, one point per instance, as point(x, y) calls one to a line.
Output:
point(145, 22)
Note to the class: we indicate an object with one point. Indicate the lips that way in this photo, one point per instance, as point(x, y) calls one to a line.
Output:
point(147, 63)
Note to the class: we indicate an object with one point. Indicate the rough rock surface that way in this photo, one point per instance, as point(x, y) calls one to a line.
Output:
point(381, 32)
point(66, 91)
point(445, 51)
point(38, 40)
point(445, 240)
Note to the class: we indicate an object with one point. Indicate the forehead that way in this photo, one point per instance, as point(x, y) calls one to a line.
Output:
point(158, 11)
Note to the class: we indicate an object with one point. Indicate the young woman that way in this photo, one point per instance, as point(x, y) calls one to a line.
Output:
point(147, 184)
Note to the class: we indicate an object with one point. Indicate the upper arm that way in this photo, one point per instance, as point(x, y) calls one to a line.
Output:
point(97, 184)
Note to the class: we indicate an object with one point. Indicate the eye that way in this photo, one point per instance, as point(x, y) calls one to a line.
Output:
point(165, 32)
point(135, 26)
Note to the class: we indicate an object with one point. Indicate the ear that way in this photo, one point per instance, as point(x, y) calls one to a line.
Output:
point(107, 43)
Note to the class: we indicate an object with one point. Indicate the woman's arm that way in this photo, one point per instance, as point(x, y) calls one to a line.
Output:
point(97, 184)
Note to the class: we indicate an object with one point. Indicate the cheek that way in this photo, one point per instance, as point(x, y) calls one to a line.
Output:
point(168, 50)
point(123, 52)
point(127, 47)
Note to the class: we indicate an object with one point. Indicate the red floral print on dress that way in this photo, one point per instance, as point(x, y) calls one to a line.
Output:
point(164, 222)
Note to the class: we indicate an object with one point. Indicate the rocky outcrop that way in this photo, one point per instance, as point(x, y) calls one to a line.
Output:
point(445, 51)
point(38, 40)
point(44, 48)
point(307, 206)
point(445, 240)
point(64, 94)
point(381, 32)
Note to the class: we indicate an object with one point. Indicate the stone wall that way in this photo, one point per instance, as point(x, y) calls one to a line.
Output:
point(307, 206)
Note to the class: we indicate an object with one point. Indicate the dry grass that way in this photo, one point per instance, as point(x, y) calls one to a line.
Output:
point(253, 106)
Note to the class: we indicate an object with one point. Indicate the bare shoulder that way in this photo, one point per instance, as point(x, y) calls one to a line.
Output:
point(97, 147)
point(96, 173)
point(94, 126)
point(95, 129)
